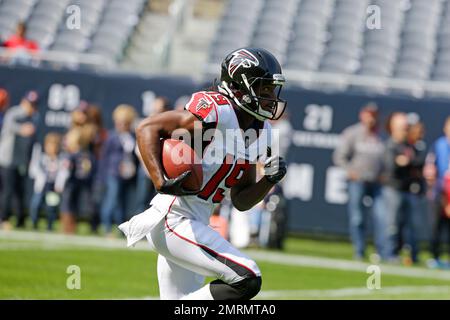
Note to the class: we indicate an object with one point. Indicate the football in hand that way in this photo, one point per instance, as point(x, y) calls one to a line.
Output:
point(177, 158)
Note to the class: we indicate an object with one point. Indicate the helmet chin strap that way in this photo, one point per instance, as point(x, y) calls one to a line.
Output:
point(223, 88)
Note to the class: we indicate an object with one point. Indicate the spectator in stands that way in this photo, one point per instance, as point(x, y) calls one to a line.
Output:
point(16, 141)
point(437, 173)
point(74, 180)
point(360, 154)
point(44, 168)
point(20, 48)
point(144, 187)
point(401, 189)
point(119, 168)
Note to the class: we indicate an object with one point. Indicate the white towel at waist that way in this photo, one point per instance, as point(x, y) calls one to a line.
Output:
point(140, 225)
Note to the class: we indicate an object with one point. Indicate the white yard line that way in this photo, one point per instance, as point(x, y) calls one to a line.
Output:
point(346, 265)
point(40, 238)
point(52, 241)
point(339, 293)
point(351, 292)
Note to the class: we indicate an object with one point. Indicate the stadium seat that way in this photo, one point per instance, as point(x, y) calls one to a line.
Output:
point(240, 19)
point(311, 35)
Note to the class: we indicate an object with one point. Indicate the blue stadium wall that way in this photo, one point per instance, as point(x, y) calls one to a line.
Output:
point(316, 190)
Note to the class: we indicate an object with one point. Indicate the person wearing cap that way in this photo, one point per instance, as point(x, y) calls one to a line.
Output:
point(360, 154)
point(403, 163)
point(16, 140)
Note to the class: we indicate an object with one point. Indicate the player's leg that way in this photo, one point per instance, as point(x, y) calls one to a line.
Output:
point(200, 249)
point(175, 281)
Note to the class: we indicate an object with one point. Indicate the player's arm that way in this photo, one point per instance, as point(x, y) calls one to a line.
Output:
point(247, 193)
point(148, 134)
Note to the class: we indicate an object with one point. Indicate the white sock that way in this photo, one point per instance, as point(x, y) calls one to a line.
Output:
point(201, 294)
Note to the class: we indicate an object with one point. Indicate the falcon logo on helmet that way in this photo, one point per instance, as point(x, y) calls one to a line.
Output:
point(241, 58)
point(245, 73)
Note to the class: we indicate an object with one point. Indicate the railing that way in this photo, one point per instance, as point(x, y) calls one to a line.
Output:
point(417, 88)
point(61, 59)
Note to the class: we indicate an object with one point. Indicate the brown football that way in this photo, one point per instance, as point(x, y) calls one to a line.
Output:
point(177, 158)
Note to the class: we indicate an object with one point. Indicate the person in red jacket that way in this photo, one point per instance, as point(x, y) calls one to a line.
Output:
point(19, 41)
point(20, 50)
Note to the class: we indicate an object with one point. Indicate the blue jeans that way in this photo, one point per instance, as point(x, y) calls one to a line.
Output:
point(37, 200)
point(357, 215)
point(13, 184)
point(404, 212)
point(115, 206)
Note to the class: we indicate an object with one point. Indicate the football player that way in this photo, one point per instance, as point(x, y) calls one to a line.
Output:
point(176, 224)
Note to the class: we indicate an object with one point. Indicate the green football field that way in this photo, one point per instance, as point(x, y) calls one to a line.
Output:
point(34, 265)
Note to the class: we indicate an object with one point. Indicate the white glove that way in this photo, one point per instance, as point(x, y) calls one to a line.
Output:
point(275, 169)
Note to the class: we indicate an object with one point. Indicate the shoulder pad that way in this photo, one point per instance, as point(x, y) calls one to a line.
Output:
point(201, 105)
